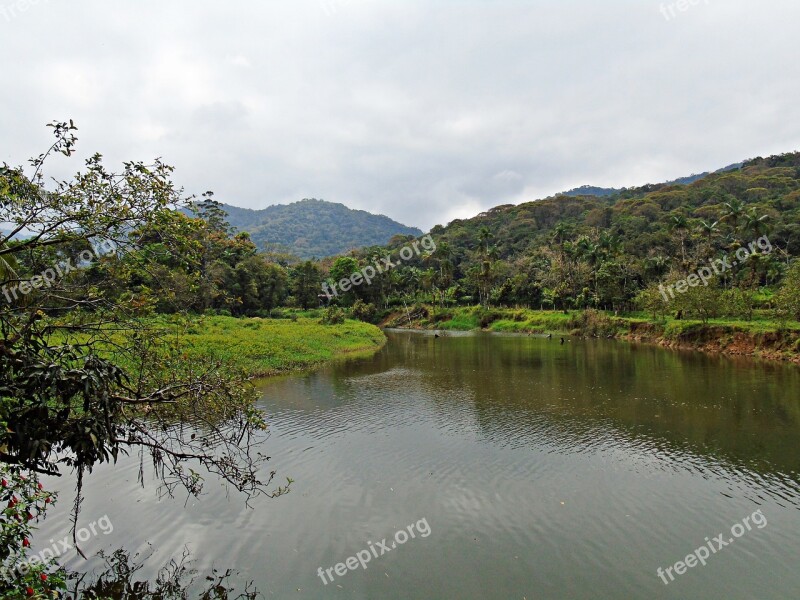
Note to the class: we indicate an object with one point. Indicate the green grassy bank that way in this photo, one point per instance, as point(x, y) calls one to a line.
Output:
point(264, 347)
point(761, 336)
point(260, 347)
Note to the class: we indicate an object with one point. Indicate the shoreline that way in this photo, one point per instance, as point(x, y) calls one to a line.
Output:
point(759, 339)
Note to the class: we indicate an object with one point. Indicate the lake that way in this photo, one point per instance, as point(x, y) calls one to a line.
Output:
point(525, 469)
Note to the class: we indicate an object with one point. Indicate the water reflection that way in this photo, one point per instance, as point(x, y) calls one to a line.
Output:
point(545, 471)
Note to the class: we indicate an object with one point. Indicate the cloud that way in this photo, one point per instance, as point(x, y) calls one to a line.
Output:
point(421, 111)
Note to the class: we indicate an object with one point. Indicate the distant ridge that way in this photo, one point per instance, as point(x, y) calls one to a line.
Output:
point(600, 192)
point(315, 228)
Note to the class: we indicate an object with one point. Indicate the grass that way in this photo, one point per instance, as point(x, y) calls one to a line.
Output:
point(764, 333)
point(504, 320)
point(270, 346)
point(264, 347)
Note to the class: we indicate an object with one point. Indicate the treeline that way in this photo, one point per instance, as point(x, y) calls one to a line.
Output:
point(616, 252)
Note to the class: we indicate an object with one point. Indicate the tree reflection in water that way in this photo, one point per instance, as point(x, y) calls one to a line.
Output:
point(177, 580)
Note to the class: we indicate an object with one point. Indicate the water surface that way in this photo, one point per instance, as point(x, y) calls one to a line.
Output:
point(545, 471)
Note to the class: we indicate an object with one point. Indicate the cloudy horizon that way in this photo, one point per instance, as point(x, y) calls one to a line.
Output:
point(422, 112)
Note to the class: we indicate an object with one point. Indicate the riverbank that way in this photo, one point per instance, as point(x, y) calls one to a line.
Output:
point(760, 337)
point(265, 347)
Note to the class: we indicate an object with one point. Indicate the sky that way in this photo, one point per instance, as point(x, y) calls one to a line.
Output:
point(422, 111)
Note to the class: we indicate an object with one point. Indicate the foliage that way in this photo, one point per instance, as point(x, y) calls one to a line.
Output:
point(363, 311)
point(23, 575)
point(333, 316)
point(612, 251)
point(788, 297)
point(66, 399)
point(176, 580)
point(315, 228)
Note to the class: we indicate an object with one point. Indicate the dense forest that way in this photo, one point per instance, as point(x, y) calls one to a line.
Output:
point(614, 252)
point(564, 252)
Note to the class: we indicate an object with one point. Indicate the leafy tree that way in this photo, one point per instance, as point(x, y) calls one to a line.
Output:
point(306, 284)
point(787, 300)
point(66, 400)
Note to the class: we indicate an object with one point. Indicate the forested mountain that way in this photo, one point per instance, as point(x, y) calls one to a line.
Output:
point(612, 251)
point(314, 228)
point(645, 220)
point(590, 190)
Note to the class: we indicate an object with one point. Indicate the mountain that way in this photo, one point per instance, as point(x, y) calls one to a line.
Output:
point(600, 192)
point(602, 252)
point(590, 190)
point(643, 218)
point(315, 228)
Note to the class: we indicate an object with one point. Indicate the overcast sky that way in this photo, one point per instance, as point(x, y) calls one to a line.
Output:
point(423, 111)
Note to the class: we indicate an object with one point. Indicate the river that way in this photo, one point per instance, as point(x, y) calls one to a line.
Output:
point(526, 469)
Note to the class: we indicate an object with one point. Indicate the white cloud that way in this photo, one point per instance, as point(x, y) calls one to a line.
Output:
point(421, 111)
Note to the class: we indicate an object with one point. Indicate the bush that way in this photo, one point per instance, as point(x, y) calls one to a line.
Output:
point(363, 312)
point(787, 300)
point(333, 316)
point(486, 316)
point(592, 322)
point(26, 502)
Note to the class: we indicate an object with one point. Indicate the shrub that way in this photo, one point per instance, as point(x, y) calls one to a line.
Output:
point(363, 312)
point(26, 502)
point(333, 316)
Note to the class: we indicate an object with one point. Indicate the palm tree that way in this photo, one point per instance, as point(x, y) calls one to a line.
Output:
point(754, 224)
point(733, 212)
point(708, 230)
point(680, 224)
point(609, 243)
point(560, 232)
point(484, 235)
point(657, 265)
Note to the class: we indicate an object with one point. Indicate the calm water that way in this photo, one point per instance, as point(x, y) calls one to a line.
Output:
point(543, 471)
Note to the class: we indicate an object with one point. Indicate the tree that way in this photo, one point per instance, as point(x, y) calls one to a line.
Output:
point(787, 300)
point(65, 400)
point(733, 212)
point(754, 224)
point(342, 268)
point(306, 284)
point(680, 225)
point(211, 211)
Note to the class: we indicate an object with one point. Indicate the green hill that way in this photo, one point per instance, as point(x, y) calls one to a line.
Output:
point(643, 218)
point(315, 228)
point(613, 252)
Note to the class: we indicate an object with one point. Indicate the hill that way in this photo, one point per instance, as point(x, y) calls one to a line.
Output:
point(615, 251)
point(315, 228)
point(600, 192)
point(642, 218)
